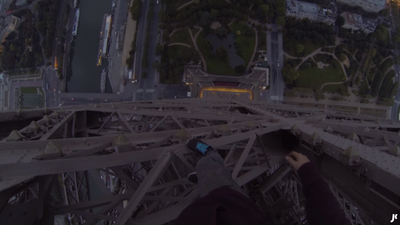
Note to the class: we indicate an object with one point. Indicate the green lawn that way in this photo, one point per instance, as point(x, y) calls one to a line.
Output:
point(194, 31)
point(352, 49)
point(387, 40)
point(246, 44)
point(214, 64)
point(309, 46)
point(28, 90)
point(174, 4)
point(182, 36)
point(330, 50)
point(314, 78)
point(334, 88)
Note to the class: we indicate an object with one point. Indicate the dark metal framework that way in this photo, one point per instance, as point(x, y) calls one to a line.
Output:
point(126, 162)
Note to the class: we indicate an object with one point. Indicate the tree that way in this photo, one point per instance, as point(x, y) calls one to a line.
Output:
point(299, 48)
point(41, 27)
point(262, 11)
point(214, 14)
point(289, 74)
point(265, 8)
point(135, 9)
point(373, 53)
point(222, 53)
point(281, 21)
point(205, 19)
point(222, 31)
point(280, 7)
point(338, 50)
point(384, 12)
point(340, 21)
point(396, 38)
point(240, 69)
point(381, 32)
point(159, 48)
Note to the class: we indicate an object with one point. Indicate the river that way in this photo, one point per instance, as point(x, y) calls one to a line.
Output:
point(86, 75)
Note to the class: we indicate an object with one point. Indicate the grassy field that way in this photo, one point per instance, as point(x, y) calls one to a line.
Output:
point(334, 88)
point(174, 4)
point(246, 44)
point(352, 50)
point(182, 36)
point(28, 90)
point(194, 31)
point(309, 46)
point(214, 64)
point(330, 50)
point(314, 78)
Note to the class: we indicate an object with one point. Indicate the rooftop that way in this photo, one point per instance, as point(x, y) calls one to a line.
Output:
point(353, 19)
point(302, 7)
point(369, 24)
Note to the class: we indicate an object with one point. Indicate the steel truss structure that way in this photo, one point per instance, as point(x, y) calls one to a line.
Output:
point(126, 163)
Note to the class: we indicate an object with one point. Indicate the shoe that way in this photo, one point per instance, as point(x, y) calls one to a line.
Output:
point(192, 177)
point(197, 146)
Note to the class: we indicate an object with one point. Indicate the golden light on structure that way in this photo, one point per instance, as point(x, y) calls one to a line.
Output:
point(99, 62)
point(55, 63)
point(226, 89)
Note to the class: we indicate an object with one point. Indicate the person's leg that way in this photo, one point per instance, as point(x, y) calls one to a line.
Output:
point(212, 174)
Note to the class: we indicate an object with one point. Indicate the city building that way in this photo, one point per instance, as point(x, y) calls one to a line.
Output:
point(367, 5)
point(11, 23)
point(313, 12)
point(357, 22)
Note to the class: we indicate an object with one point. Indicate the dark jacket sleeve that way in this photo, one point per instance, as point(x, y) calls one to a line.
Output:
point(321, 206)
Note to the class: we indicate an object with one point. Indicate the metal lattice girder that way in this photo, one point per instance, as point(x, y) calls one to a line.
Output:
point(385, 167)
point(70, 164)
point(118, 147)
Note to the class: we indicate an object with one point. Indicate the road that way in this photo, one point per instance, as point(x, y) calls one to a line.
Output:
point(51, 85)
point(87, 98)
point(140, 39)
point(59, 26)
point(275, 59)
point(149, 84)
